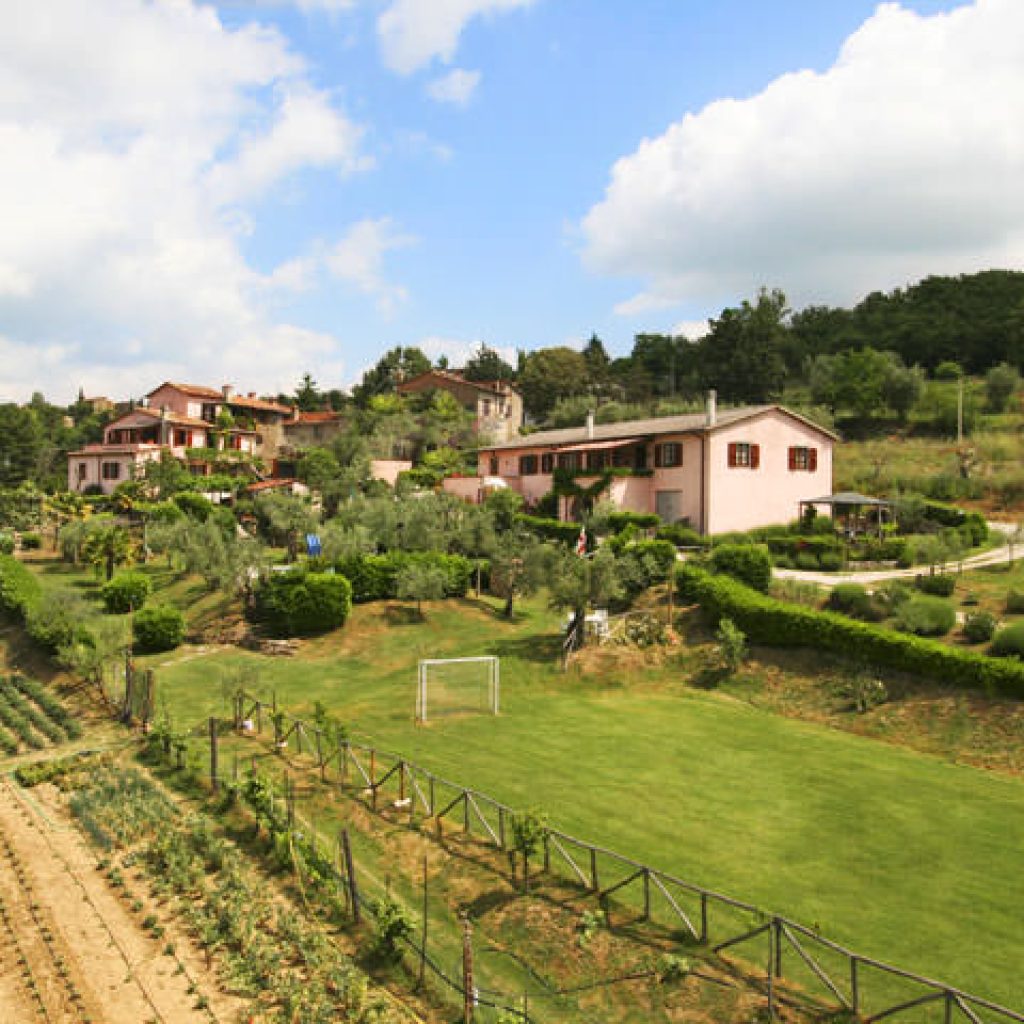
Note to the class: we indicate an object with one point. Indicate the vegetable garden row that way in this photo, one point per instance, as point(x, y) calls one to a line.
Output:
point(31, 717)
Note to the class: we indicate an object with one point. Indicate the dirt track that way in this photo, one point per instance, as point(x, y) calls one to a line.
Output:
point(70, 950)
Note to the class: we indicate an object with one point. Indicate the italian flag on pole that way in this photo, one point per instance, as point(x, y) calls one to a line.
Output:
point(581, 542)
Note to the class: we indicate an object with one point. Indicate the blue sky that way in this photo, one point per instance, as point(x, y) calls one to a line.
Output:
point(240, 192)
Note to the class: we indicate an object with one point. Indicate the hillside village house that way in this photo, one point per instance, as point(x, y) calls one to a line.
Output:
point(725, 470)
point(496, 405)
point(185, 420)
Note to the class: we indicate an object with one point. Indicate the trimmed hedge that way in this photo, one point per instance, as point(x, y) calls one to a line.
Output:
point(682, 536)
point(158, 628)
point(19, 589)
point(375, 577)
point(618, 521)
point(775, 623)
point(303, 603)
point(750, 563)
point(551, 529)
point(126, 592)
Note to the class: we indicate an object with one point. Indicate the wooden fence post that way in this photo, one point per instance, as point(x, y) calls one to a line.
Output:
point(423, 936)
point(854, 987)
point(350, 871)
point(467, 970)
point(213, 755)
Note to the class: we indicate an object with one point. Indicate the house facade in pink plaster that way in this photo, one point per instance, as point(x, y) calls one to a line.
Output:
point(722, 470)
point(181, 419)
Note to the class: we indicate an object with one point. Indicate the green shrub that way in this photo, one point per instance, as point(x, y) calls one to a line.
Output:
point(750, 563)
point(31, 542)
point(775, 623)
point(618, 521)
point(807, 560)
point(19, 589)
point(375, 577)
point(831, 561)
point(195, 506)
point(979, 627)
point(926, 616)
point(1009, 642)
point(302, 603)
point(853, 599)
point(1014, 601)
point(940, 584)
point(126, 592)
point(682, 536)
point(158, 628)
point(552, 529)
point(6, 543)
point(57, 619)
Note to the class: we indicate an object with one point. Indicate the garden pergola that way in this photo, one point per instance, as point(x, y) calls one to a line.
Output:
point(851, 508)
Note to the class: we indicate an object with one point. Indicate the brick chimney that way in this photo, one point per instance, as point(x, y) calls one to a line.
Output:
point(227, 390)
point(712, 407)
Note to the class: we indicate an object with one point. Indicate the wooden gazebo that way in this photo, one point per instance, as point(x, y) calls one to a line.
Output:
point(852, 510)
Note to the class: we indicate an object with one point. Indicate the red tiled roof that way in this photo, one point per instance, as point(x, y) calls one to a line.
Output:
point(447, 376)
point(197, 390)
point(172, 417)
point(115, 449)
point(245, 402)
point(318, 417)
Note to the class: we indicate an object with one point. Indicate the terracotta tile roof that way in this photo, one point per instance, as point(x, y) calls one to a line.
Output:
point(196, 390)
point(245, 402)
point(217, 394)
point(450, 377)
point(116, 449)
point(154, 414)
point(317, 417)
point(687, 424)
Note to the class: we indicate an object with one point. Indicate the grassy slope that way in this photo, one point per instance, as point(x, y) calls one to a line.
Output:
point(901, 855)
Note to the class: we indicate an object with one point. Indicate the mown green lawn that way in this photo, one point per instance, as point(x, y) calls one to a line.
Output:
point(902, 856)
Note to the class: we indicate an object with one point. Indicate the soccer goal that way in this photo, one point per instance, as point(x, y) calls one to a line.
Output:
point(450, 686)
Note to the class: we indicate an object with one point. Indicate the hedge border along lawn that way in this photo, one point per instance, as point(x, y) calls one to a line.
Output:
point(777, 624)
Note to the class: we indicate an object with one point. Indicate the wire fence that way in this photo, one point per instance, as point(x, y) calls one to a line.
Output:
point(794, 967)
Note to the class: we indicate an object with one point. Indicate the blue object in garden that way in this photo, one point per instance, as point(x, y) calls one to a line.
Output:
point(313, 546)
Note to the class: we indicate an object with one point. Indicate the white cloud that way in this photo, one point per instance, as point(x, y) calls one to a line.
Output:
point(692, 330)
point(413, 33)
point(133, 135)
point(306, 132)
point(358, 258)
point(642, 303)
point(904, 158)
point(458, 351)
point(455, 87)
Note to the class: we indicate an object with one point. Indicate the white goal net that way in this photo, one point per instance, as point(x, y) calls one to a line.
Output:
point(451, 686)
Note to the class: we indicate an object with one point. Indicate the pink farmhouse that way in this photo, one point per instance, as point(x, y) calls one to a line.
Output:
point(725, 470)
point(181, 419)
